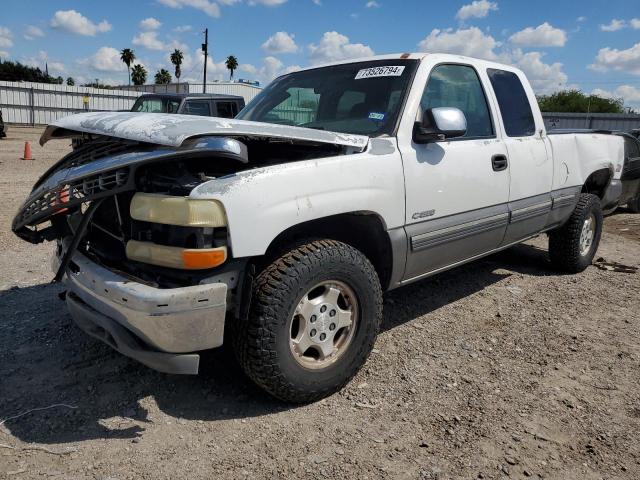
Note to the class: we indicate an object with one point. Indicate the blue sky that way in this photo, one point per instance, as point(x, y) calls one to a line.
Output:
point(592, 45)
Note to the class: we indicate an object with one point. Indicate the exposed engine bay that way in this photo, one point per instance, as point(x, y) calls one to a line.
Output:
point(108, 173)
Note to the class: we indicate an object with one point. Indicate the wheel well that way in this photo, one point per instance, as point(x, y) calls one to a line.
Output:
point(597, 182)
point(363, 231)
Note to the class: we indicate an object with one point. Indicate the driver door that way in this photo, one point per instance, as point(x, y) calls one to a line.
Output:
point(457, 189)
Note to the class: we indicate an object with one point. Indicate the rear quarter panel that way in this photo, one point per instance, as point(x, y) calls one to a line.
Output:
point(578, 155)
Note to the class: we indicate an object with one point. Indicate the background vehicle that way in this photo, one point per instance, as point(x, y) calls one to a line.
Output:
point(204, 104)
point(282, 239)
point(630, 177)
point(3, 127)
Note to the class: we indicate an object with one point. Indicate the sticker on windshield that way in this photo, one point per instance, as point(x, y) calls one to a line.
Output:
point(376, 116)
point(386, 71)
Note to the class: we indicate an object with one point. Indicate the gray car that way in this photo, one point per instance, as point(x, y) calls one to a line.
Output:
point(203, 104)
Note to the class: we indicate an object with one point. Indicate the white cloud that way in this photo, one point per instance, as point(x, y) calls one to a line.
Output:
point(620, 60)
point(476, 9)
point(148, 40)
point(4, 53)
point(106, 59)
point(629, 94)
point(581, 18)
point(6, 38)
point(471, 42)
point(150, 24)
point(372, 4)
point(210, 8)
point(317, 2)
point(55, 67)
point(334, 46)
point(544, 77)
point(32, 32)
point(613, 26)
point(635, 23)
point(74, 22)
point(280, 42)
point(543, 35)
point(270, 69)
point(193, 64)
point(183, 28)
point(267, 3)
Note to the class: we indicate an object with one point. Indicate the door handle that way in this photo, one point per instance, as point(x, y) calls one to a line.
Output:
point(499, 162)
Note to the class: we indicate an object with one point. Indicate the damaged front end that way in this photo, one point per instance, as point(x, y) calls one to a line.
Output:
point(148, 269)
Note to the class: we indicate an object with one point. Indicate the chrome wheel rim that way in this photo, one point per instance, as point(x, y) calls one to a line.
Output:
point(587, 235)
point(323, 324)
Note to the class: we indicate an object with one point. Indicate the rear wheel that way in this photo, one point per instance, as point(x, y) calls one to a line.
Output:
point(573, 246)
point(314, 318)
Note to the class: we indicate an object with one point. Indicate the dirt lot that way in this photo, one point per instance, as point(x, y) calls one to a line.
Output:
point(498, 369)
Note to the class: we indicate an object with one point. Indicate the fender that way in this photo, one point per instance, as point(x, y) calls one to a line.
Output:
point(262, 203)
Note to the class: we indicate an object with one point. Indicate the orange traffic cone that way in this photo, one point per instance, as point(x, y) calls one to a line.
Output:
point(27, 152)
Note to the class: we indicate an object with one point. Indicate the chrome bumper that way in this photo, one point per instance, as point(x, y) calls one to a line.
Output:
point(158, 327)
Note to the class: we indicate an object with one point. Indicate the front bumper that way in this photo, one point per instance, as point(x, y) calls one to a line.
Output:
point(158, 327)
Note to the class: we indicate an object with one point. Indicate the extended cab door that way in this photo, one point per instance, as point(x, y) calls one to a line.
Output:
point(530, 164)
point(457, 189)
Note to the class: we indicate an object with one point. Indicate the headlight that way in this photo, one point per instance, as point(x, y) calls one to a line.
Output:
point(176, 257)
point(181, 211)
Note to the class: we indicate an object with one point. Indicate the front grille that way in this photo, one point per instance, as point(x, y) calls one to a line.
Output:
point(88, 152)
point(72, 194)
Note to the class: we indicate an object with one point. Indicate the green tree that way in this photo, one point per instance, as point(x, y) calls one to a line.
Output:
point(575, 101)
point(138, 74)
point(70, 81)
point(128, 56)
point(17, 72)
point(232, 64)
point(59, 80)
point(176, 58)
point(162, 77)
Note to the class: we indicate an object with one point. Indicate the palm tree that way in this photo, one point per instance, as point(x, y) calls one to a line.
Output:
point(232, 64)
point(127, 56)
point(162, 77)
point(176, 58)
point(138, 74)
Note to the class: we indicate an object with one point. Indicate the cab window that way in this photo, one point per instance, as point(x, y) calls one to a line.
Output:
point(227, 109)
point(459, 86)
point(197, 107)
point(513, 102)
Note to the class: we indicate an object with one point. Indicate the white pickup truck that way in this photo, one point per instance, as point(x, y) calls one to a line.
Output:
point(280, 230)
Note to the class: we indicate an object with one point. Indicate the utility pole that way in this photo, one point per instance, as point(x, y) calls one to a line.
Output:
point(205, 50)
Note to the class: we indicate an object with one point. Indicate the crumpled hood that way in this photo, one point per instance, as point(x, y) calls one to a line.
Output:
point(173, 129)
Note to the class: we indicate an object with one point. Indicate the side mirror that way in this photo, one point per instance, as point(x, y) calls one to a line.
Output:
point(440, 123)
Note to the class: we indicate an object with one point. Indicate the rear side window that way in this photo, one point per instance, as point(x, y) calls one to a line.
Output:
point(459, 86)
point(631, 148)
point(514, 103)
point(198, 107)
point(227, 109)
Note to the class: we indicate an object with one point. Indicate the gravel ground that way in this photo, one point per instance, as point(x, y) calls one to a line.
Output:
point(498, 369)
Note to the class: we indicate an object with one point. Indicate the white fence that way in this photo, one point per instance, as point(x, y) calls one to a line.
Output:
point(41, 103)
point(223, 88)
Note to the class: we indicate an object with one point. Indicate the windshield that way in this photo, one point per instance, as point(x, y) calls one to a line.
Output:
point(361, 98)
point(156, 105)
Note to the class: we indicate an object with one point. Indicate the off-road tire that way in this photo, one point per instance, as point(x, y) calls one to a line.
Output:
point(634, 205)
point(261, 341)
point(564, 242)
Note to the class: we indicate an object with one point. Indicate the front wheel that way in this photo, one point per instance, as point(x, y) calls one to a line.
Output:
point(313, 320)
point(573, 246)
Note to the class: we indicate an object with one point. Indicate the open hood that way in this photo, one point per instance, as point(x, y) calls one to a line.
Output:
point(172, 129)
